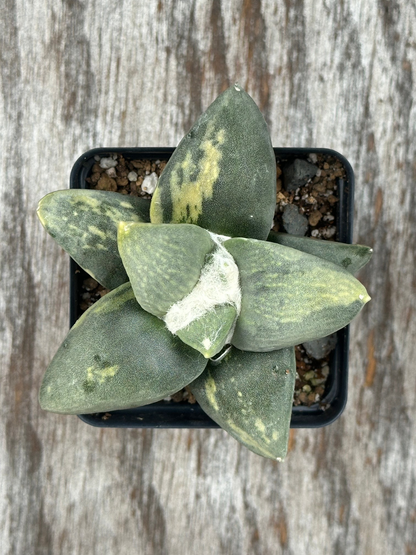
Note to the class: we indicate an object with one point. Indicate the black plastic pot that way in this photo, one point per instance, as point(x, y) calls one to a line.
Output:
point(168, 414)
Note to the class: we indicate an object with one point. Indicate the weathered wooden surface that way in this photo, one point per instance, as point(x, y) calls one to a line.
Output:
point(78, 74)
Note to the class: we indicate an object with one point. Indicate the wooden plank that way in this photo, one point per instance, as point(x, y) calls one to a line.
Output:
point(75, 75)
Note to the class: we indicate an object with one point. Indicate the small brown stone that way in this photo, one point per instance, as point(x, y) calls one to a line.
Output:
point(314, 218)
point(177, 397)
point(332, 199)
point(90, 283)
point(95, 177)
point(320, 390)
point(122, 181)
point(319, 188)
point(106, 183)
point(190, 396)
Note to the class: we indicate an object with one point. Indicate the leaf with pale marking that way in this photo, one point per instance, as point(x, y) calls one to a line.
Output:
point(250, 395)
point(117, 356)
point(84, 223)
point(222, 175)
point(350, 257)
point(163, 261)
point(209, 333)
point(289, 297)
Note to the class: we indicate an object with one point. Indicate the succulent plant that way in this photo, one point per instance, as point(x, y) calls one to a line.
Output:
point(195, 272)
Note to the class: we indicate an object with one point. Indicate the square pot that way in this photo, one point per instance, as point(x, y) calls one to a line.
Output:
point(169, 414)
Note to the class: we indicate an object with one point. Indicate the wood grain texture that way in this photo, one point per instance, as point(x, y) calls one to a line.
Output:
point(77, 74)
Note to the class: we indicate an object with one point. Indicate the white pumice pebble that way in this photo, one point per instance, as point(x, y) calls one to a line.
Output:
point(150, 183)
point(111, 172)
point(108, 163)
point(132, 176)
point(329, 232)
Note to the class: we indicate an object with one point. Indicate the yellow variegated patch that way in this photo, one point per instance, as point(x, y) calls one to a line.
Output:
point(192, 183)
point(100, 375)
point(210, 390)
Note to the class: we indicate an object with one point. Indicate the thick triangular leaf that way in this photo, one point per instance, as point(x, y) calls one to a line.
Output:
point(350, 257)
point(209, 333)
point(289, 297)
point(222, 175)
point(84, 223)
point(117, 356)
point(163, 262)
point(250, 395)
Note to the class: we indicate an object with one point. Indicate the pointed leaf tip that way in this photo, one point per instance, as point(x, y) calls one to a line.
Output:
point(365, 298)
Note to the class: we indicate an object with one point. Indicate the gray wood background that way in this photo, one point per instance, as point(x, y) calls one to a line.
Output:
point(76, 74)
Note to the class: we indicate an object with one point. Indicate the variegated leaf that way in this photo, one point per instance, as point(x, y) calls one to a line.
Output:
point(289, 297)
point(84, 223)
point(117, 356)
point(350, 257)
point(250, 395)
point(222, 175)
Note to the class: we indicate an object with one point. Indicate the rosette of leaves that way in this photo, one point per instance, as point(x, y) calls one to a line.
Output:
point(192, 273)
